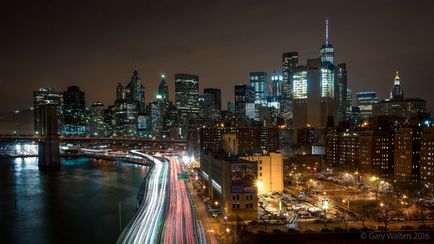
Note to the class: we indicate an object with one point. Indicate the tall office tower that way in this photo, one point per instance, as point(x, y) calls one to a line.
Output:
point(275, 98)
point(187, 100)
point(163, 89)
point(259, 82)
point(365, 101)
point(213, 98)
point(125, 111)
point(135, 91)
point(327, 50)
point(329, 96)
point(97, 125)
point(276, 84)
point(242, 97)
point(289, 63)
point(74, 105)
point(342, 89)
point(187, 93)
point(125, 116)
point(156, 112)
point(396, 92)
point(41, 97)
point(315, 92)
point(299, 78)
point(74, 112)
point(349, 102)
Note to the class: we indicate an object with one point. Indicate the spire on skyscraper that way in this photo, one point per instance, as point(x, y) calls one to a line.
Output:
point(327, 33)
point(396, 92)
point(397, 79)
point(327, 50)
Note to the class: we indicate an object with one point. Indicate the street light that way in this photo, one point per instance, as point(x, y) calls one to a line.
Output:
point(260, 185)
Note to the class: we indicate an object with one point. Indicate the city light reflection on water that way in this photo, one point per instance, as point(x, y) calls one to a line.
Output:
point(77, 204)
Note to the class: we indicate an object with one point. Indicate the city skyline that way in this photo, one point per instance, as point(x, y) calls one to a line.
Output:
point(371, 54)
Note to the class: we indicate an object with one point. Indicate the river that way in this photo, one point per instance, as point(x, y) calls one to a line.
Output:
point(78, 204)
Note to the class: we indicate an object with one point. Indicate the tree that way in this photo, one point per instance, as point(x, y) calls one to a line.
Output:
point(362, 214)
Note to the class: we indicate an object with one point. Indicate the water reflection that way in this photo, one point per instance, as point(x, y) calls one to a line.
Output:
point(77, 204)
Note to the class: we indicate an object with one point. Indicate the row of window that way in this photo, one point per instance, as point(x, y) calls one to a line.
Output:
point(237, 197)
point(237, 205)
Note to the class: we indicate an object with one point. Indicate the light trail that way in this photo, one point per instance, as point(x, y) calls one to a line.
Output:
point(147, 224)
point(179, 224)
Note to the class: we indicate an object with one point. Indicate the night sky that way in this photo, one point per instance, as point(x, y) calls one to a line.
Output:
point(95, 44)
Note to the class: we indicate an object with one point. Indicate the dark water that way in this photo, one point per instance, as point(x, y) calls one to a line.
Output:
point(78, 204)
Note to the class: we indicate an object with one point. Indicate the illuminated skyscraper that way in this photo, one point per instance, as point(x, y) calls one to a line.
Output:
point(276, 90)
point(299, 78)
point(259, 82)
point(163, 89)
point(365, 101)
point(276, 84)
point(327, 50)
point(135, 91)
point(74, 112)
point(187, 92)
point(97, 125)
point(342, 96)
point(186, 99)
point(299, 103)
point(41, 97)
point(130, 102)
point(396, 92)
point(289, 63)
point(243, 96)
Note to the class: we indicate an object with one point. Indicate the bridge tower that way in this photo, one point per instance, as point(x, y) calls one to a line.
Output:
point(49, 155)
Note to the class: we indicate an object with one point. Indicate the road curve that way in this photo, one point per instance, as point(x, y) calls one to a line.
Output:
point(147, 224)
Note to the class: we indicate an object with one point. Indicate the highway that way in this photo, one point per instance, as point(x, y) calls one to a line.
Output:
point(147, 223)
point(179, 224)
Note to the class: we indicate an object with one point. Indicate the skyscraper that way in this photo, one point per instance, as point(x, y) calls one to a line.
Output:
point(163, 89)
point(41, 97)
point(187, 100)
point(97, 125)
point(74, 112)
point(396, 91)
point(130, 102)
point(213, 98)
point(289, 63)
point(299, 103)
point(259, 82)
point(365, 101)
point(342, 97)
point(241, 98)
point(275, 98)
point(187, 93)
point(327, 50)
point(276, 84)
point(135, 91)
point(74, 105)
